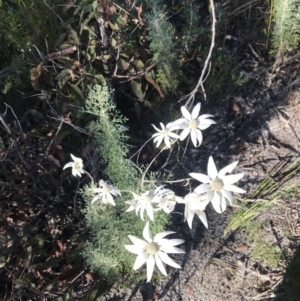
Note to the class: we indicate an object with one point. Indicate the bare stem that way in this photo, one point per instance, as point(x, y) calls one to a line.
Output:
point(191, 96)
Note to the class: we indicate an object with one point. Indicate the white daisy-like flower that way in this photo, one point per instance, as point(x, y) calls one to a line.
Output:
point(194, 203)
point(77, 166)
point(133, 203)
point(147, 200)
point(168, 201)
point(154, 251)
point(165, 134)
point(193, 124)
point(105, 193)
point(217, 186)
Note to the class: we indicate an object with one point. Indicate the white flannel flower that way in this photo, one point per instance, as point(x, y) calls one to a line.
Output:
point(164, 134)
point(193, 124)
point(147, 201)
point(154, 251)
point(194, 203)
point(105, 193)
point(133, 203)
point(217, 185)
point(168, 201)
point(77, 166)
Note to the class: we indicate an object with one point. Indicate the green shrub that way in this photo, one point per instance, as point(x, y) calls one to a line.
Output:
point(109, 226)
point(286, 32)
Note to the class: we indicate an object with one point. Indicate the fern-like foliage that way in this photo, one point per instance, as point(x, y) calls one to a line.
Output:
point(110, 225)
point(286, 33)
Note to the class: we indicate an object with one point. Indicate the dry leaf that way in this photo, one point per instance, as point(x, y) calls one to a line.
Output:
point(89, 276)
point(61, 245)
point(139, 11)
point(241, 248)
point(72, 75)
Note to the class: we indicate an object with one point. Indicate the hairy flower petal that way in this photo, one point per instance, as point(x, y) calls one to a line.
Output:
point(160, 265)
point(233, 178)
point(211, 168)
point(150, 267)
point(234, 188)
point(227, 169)
point(185, 133)
point(196, 111)
point(166, 259)
point(186, 114)
point(216, 201)
point(202, 216)
point(140, 260)
point(200, 177)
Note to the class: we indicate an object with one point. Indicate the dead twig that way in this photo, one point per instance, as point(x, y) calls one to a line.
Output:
point(191, 96)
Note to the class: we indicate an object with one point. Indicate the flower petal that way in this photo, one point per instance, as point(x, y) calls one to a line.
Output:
point(184, 133)
point(161, 235)
point(76, 172)
point(216, 202)
point(223, 203)
point(200, 177)
point(202, 217)
point(227, 169)
point(196, 111)
point(228, 195)
point(173, 242)
point(158, 130)
point(194, 138)
point(230, 179)
point(172, 250)
point(140, 260)
point(150, 267)
point(159, 140)
point(186, 114)
point(133, 249)
point(202, 188)
point(110, 199)
point(173, 135)
point(167, 260)
point(74, 158)
point(167, 141)
point(199, 136)
point(97, 197)
point(138, 242)
point(70, 164)
point(190, 217)
point(162, 125)
point(211, 168)
point(146, 233)
point(149, 210)
point(181, 122)
point(160, 265)
point(234, 188)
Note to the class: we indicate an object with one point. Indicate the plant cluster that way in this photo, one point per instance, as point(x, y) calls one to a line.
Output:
point(111, 205)
point(286, 32)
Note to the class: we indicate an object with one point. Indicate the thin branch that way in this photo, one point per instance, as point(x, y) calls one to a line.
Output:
point(48, 148)
point(191, 96)
point(16, 118)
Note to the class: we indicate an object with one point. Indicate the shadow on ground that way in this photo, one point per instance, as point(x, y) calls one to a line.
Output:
point(289, 290)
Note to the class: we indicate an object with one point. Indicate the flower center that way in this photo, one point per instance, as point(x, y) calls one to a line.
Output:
point(152, 248)
point(105, 189)
point(216, 184)
point(193, 124)
point(77, 165)
point(165, 132)
point(147, 198)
